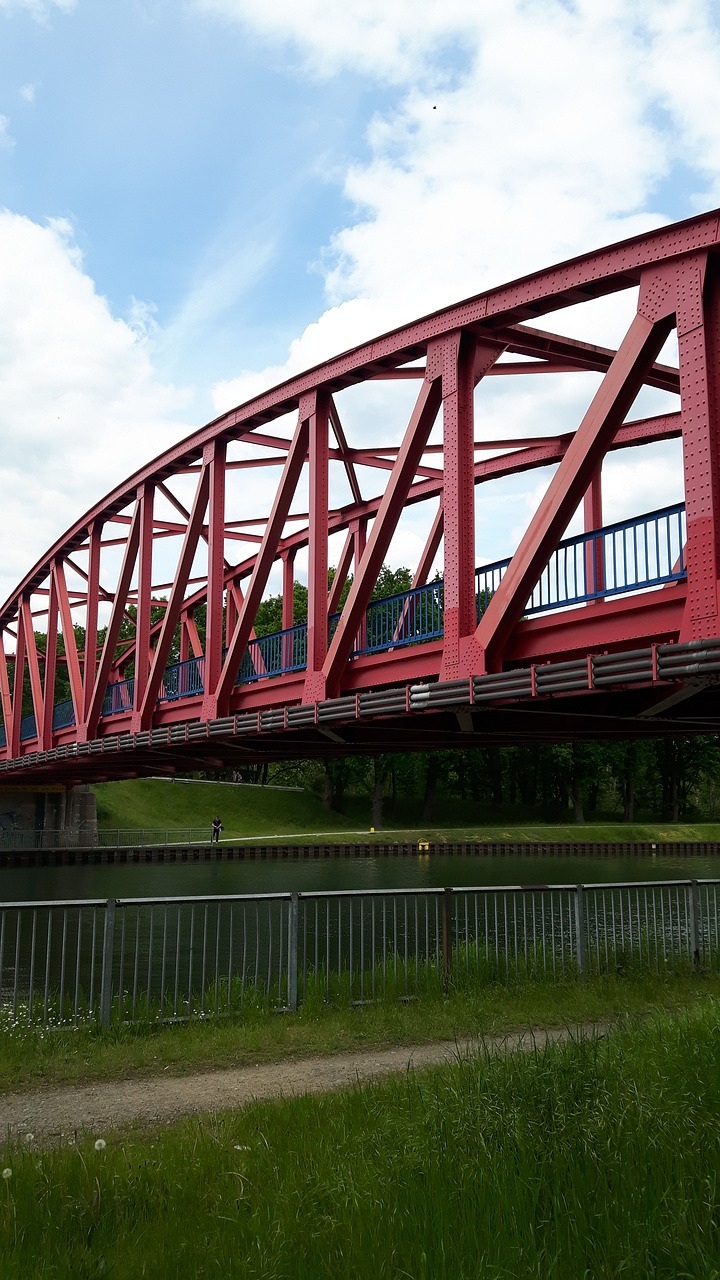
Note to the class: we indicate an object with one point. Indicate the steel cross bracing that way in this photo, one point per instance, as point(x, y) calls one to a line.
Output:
point(145, 609)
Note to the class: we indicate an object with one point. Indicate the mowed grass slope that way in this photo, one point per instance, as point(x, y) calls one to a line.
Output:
point(263, 812)
point(598, 1158)
point(245, 811)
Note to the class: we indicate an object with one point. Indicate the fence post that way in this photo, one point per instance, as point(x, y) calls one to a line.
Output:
point(447, 937)
point(580, 929)
point(292, 973)
point(694, 917)
point(107, 963)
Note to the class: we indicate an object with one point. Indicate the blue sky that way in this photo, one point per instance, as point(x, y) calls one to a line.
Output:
point(202, 196)
point(181, 151)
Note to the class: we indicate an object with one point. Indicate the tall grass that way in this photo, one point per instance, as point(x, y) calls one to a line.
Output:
point(598, 1158)
point(394, 976)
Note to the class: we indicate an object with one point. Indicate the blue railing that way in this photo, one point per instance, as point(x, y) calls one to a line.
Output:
point(119, 697)
point(183, 679)
point(617, 559)
point(623, 557)
point(63, 715)
point(407, 618)
point(28, 727)
point(274, 655)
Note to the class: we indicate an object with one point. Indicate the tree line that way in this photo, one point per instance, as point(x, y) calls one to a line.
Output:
point(666, 779)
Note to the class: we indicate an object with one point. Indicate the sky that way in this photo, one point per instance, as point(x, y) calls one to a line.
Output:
point(199, 198)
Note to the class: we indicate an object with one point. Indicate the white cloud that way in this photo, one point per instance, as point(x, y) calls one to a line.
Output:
point(683, 73)
point(7, 142)
point(538, 146)
point(80, 404)
point(28, 92)
point(378, 37)
point(522, 134)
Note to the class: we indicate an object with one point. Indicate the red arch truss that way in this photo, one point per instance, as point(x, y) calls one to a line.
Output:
point(148, 603)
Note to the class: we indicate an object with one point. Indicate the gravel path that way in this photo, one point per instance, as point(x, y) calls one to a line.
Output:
point(58, 1114)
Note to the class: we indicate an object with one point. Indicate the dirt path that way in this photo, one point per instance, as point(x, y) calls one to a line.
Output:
point(59, 1113)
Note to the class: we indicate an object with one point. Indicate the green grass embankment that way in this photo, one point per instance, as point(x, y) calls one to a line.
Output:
point(265, 814)
point(154, 803)
point(595, 1158)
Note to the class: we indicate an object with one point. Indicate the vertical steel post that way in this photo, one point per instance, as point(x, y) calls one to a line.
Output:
point(107, 963)
point(447, 937)
point(694, 922)
point(580, 930)
point(146, 500)
point(317, 632)
point(698, 325)
point(594, 550)
point(464, 362)
point(214, 455)
point(458, 360)
point(292, 961)
point(184, 638)
point(13, 729)
point(51, 648)
point(288, 610)
point(91, 613)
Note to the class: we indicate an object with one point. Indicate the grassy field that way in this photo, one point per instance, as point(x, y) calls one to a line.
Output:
point(245, 811)
point(31, 1057)
point(256, 813)
point(598, 1159)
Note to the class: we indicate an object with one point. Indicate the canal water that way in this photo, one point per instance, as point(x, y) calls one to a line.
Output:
point(421, 871)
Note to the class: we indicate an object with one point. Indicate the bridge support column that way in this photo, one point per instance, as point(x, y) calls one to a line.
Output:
point(53, 817)
point(463, 363)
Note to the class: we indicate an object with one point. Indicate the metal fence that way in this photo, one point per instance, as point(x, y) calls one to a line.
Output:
point(162, 959)
point(87, 836)
point(619, 558)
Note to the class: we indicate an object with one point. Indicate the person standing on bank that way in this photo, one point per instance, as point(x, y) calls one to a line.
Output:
point(217, 827)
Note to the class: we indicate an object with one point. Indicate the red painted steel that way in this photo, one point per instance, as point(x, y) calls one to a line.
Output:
point(172, 565)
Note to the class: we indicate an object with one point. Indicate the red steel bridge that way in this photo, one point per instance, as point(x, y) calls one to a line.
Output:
point(146, 607)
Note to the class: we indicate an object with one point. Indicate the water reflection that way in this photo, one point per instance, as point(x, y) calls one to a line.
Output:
point(282, 875)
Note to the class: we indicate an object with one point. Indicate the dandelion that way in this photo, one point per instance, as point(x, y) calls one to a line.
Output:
point(238, 1147)
point(100, 1144)
point(29, 1137)
point(7, 1173)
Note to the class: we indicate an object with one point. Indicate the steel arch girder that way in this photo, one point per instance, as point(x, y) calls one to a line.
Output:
point(665, 261)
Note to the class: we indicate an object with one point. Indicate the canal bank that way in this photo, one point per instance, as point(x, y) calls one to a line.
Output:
point(229, 851)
